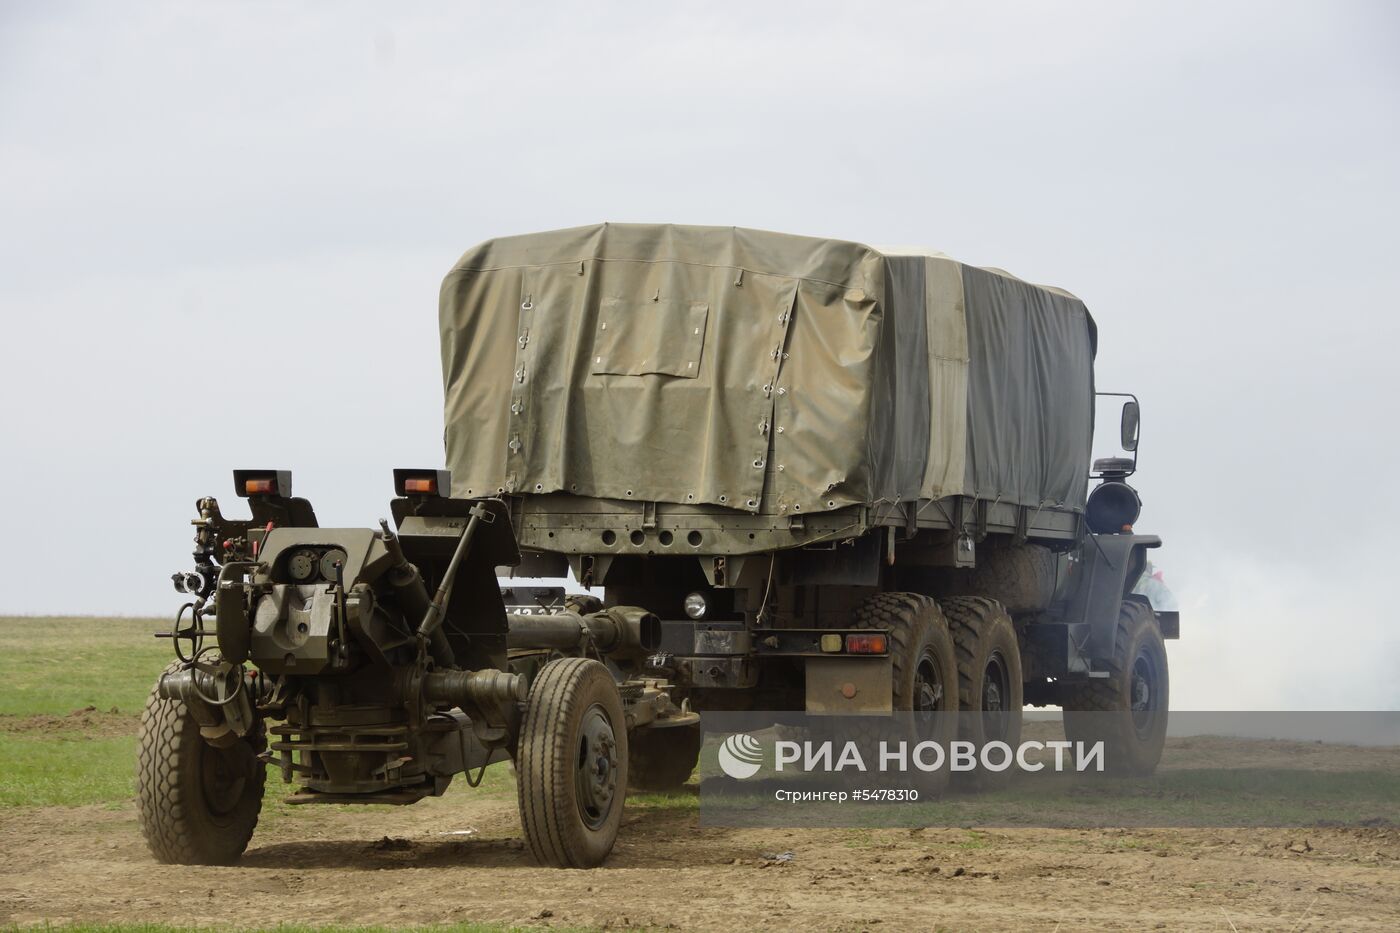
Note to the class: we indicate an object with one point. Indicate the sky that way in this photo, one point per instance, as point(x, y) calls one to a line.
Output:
point(223, 228)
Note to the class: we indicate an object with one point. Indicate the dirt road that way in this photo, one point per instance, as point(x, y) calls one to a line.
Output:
point(396, 866)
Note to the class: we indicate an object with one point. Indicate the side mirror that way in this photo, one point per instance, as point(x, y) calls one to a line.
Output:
point(1128, 428)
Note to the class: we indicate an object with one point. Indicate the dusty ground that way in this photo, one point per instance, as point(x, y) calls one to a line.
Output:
point(396, 866)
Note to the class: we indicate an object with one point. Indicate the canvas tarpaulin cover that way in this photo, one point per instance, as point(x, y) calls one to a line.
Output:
point(758, 371)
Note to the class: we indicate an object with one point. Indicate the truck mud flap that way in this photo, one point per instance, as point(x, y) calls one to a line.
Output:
point(845, 685)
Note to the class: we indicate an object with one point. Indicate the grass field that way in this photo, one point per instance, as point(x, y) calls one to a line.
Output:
point(53, 666)
point(72, 699)
point(72, 696)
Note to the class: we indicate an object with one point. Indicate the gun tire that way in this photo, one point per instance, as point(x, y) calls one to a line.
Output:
point(571, 764)
point(196, 804)
point(1127, 710)
point(990, 691)
point(662, 759)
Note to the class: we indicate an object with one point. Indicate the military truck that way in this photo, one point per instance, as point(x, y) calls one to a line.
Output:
point(844, 479)
point(320, 652)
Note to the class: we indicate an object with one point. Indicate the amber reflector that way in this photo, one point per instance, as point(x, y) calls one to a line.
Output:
point(420, 485)
point(866, 644)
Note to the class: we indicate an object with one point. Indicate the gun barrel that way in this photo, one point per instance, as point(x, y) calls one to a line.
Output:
point(621, 631)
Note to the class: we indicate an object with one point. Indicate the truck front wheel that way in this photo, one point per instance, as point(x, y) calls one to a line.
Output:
point(1127, 710)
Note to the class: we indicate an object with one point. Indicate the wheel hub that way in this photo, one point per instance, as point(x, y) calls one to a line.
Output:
point(223, 774)
point(596, 775)
point(1142, 697)
point(995, 689)
point(928, 689)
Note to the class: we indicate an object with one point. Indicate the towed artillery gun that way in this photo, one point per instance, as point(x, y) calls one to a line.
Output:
point(320, 652)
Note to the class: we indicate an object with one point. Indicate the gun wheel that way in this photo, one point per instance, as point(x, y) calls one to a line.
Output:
point(1127, 710)
point(197, 804)
point(571, 764)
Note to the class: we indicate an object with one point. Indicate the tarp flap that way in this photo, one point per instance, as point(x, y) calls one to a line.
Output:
point(1030, 392)
point(946, 466)
point(757, 371)
point(907, 349)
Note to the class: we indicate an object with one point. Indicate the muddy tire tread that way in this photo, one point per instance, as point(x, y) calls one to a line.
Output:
point(970, 618)
point(163, 812)
point(1105, 695)
point(901, 613)
point(974, 621)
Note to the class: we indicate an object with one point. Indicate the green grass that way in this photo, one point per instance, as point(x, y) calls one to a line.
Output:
point(54, 666)
point(685, 798)
point(66, 769)
point(974, 840)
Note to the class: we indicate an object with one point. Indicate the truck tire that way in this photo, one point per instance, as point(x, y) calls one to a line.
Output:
point(1127, 710)
point(661, 759)
point(196, 804)
point(990, 692)
point(571, 764)
point(924, 673)
point(1020, 577)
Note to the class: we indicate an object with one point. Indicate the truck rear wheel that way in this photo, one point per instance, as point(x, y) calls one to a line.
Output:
point(571, 764)
point(1127, 710)
point(661, 759)
point(990, 694)
point(197, 804)
point(924, 673)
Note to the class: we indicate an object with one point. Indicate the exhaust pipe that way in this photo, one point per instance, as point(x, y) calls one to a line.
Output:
point(622, 631)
